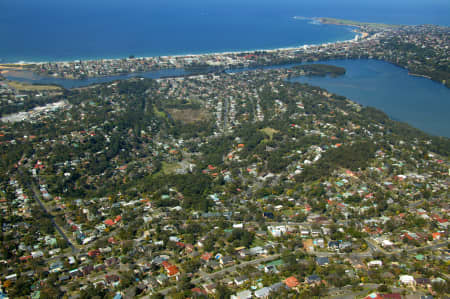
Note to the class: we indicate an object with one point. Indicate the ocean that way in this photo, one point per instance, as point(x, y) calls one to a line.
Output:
point(54, 30)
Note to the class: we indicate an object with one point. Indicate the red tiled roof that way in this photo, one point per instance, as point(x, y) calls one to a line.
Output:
point(25, 258)
point(109, 222)
point(436, 236)
point(165, 264)
point(94, 253)
point(206, 256)
point(199, 291)
point(406, 235)
point(172, 270)
point(291, 282)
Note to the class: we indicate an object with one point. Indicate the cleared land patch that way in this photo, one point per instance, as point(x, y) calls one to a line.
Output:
point(269, 132)
point(169, 168)
point(188, 115)
point(30, 87)
point(159, 112)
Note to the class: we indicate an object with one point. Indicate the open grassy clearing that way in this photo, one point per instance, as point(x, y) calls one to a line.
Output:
point(169, 168)
point(159, 112)
point(30, 87)
point(188, 115)
point(269, 132)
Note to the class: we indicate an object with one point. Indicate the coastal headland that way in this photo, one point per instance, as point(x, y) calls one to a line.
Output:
point(333, 21)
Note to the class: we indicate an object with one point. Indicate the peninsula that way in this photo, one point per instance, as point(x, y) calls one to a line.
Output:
point(334, 21)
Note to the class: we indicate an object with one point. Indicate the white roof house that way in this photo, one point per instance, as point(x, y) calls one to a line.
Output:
point(242, 295)
point(262, 293)
point(406, 279)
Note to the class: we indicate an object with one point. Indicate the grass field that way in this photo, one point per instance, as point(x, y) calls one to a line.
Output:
point(169, 168)
point(29, 87)
point(269, 132)
point(188, 115)
point(15, 66)
point(158, 112)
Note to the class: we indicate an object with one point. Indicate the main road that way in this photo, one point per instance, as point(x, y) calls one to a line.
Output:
point(37, 196)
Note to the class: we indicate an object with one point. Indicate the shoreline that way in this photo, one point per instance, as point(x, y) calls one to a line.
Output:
point(18, 66)
point(418, 75)
point(363, 35)
point(358, 34)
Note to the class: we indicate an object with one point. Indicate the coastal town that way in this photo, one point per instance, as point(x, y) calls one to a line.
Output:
point(422, 50)
point(221, 185)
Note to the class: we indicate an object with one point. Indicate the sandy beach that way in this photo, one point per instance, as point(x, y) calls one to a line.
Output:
point(362, 35)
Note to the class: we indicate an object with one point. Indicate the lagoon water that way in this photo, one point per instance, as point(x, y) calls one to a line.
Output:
point(32, 78)
point(418, 101)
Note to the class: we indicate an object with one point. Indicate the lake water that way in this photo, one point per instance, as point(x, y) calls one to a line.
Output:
point(418, 101)
point(32, 78)
point(422, 103)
